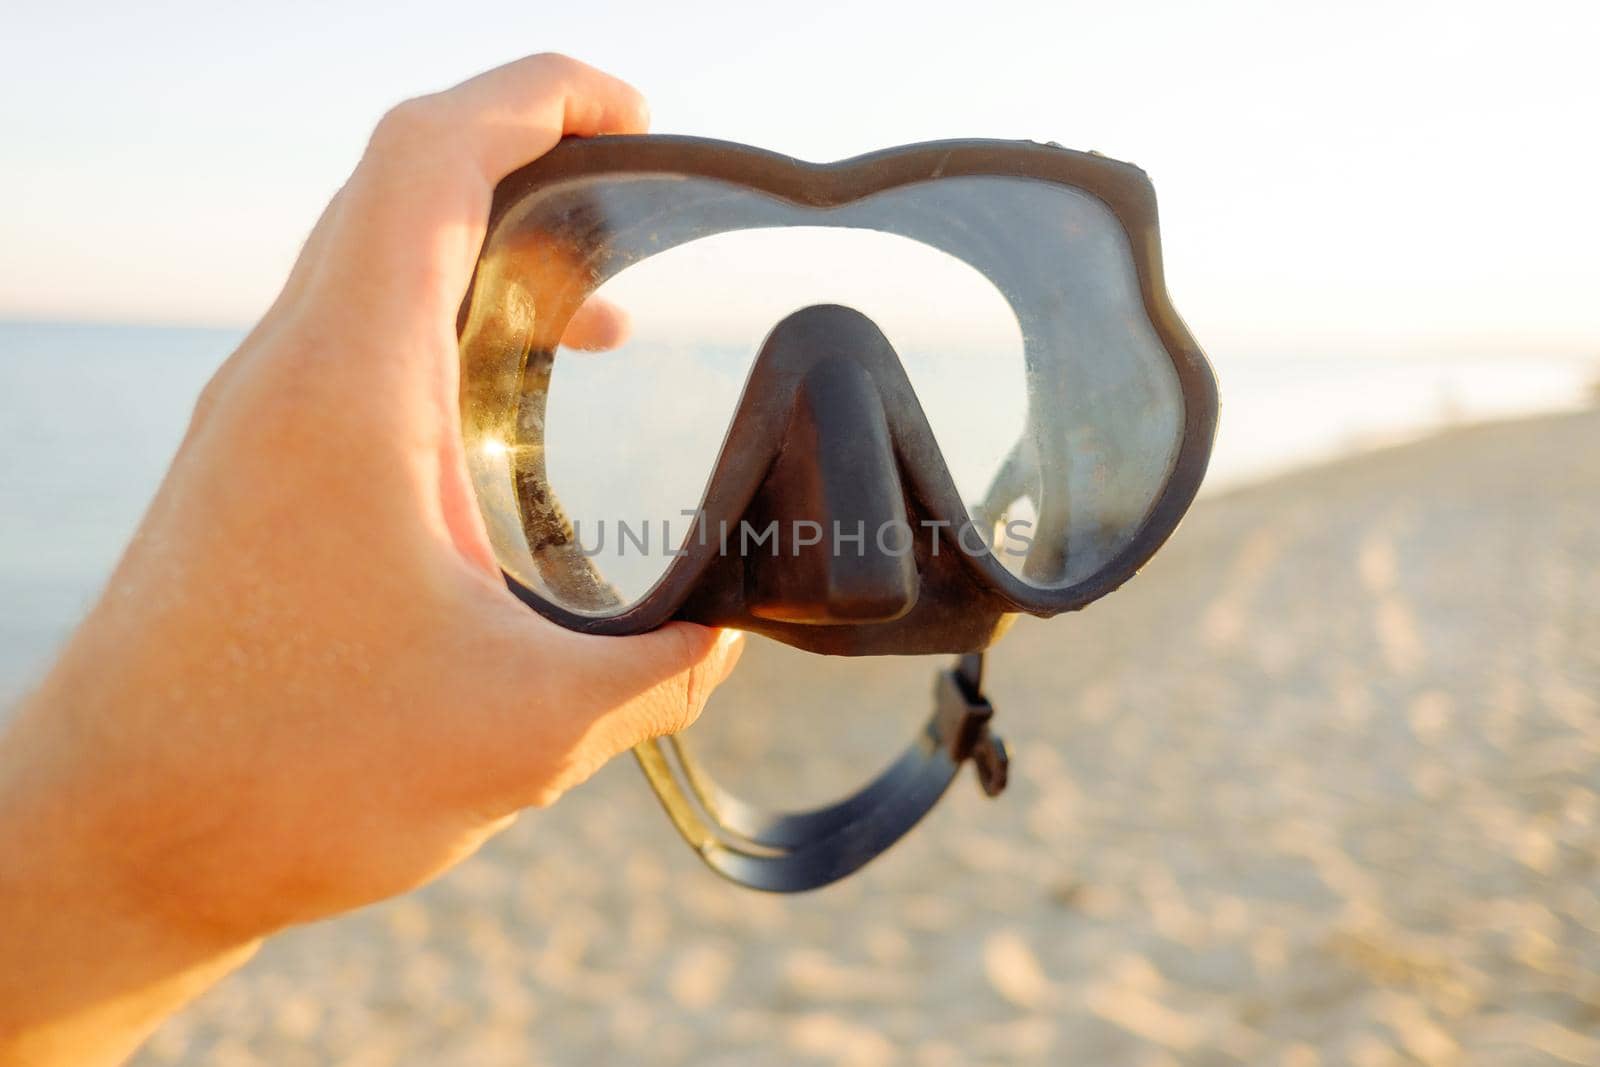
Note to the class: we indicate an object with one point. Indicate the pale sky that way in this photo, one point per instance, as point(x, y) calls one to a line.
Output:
point(1416, 176)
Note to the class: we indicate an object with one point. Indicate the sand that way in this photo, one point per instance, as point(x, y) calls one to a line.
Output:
point(1321, 786)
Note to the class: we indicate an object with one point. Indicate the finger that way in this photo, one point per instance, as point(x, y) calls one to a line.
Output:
point(416, 207)
point(537, 101)
point(597, 326)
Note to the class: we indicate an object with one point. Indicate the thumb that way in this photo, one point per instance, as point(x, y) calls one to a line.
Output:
point(627, 690)
point(662, 680)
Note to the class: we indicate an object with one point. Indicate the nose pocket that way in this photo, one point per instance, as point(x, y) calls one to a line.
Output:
point(843, 549)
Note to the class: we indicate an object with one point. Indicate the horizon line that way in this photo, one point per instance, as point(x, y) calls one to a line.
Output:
point(1354, 346)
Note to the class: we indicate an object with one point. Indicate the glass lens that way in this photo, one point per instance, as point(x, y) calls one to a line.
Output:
point(1013, 304)
point(699, 313)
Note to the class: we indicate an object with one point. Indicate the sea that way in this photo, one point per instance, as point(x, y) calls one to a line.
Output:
point(90, 414)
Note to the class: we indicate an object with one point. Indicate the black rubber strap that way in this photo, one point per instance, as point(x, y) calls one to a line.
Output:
point(791, 852)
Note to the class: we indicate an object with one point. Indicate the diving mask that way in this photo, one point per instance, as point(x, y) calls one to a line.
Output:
point(872, 407)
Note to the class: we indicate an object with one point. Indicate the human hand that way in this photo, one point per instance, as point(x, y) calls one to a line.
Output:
point(306, 686)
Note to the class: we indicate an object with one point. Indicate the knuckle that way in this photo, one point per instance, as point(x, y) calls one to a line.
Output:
point(293, 390)
point(690, 691)
point(667, 709)
point(210, 396)
point(410, 126)
point(681, 712)
point(557, 63)
point(202, 417)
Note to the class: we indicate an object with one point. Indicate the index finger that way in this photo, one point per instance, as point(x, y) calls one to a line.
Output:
point(413, 215)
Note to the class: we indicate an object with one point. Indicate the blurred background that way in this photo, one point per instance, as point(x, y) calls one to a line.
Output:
point(1322, 786)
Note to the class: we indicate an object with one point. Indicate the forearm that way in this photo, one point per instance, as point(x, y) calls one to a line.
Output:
point(87, 969)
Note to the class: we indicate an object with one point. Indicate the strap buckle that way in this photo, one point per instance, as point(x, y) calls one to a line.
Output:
point(968, 714)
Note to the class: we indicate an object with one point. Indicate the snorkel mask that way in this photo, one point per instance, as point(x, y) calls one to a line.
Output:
point(874, 407)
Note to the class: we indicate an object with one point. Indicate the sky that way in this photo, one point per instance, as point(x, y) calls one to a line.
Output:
point(1332, 177)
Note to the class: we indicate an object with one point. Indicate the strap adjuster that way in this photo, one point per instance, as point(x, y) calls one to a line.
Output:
point(961, 697)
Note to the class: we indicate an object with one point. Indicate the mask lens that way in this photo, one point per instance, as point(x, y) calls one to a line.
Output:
point(1013, 304)
point(700, 312)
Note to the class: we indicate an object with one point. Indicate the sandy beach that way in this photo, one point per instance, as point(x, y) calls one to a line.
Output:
point(1321, 786)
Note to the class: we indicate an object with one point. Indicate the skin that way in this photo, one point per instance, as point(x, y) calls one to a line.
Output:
point(306, 687)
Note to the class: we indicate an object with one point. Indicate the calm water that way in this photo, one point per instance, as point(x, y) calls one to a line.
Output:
point(89, 416)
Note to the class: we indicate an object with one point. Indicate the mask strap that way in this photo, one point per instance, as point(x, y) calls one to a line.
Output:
point(789, 852)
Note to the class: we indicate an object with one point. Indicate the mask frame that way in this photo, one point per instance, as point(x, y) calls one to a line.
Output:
point(962, 601)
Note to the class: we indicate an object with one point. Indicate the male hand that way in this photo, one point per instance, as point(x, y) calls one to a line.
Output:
point(306, 686)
